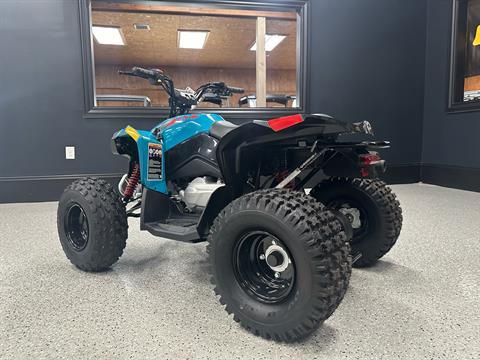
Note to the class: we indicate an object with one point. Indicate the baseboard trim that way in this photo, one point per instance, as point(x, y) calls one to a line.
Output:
point(457, 177)
point(42, 188)
point(49, 188)
point(402, 174)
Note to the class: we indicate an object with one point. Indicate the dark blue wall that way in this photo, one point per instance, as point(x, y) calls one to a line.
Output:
point(41, 94)
point(450, 144)
point(450, 139)
point(366, 63)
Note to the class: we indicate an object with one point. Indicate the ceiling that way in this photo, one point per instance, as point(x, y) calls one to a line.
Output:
point(227, 46)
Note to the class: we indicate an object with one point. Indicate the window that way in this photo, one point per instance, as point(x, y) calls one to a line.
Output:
point(465, 67)
point(195, 45)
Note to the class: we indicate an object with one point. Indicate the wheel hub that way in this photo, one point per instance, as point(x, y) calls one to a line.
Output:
point(263, 267)
point(76, 227)
point(277, 258)
point(352, 214)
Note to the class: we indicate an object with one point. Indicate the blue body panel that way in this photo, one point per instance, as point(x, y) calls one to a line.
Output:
point(178, 129)
point(173, 131)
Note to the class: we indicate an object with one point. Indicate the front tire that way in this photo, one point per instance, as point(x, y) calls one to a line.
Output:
point(372, 208)
point(92, 224)
point(279, 267)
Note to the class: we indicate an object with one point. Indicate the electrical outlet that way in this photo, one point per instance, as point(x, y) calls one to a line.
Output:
point(70, 152)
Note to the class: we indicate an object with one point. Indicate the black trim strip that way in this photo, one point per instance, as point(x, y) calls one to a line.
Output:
point(56, 177)
point(402, 174)
point(457, 177)
point(49, 188)
point(42, 188)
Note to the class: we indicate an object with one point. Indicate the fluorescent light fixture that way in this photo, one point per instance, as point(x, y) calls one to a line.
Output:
point(192, 39)
point(271, 42)
point(108, 35)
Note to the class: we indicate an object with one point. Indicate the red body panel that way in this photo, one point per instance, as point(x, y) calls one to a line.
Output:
point(284, 122)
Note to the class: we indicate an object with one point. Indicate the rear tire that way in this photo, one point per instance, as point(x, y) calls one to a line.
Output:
point(377, 209)
point(307, 291)
point(92, 224)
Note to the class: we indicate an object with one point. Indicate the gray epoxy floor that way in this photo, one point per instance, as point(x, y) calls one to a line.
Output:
point(420, 302)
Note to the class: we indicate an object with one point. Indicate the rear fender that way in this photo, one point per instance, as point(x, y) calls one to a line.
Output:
point(220, 198)
point(240, 150)
point(322, 123)
point(234, 154)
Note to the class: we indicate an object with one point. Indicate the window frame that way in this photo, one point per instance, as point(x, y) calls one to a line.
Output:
point(300, 6)
point(457, 59)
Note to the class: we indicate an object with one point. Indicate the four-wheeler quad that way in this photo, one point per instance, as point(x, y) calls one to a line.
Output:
point(280, 259)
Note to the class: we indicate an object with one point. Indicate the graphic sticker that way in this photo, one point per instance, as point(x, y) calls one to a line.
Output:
point(154, 161)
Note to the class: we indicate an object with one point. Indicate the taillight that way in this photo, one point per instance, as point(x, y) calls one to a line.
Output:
point(370, 159)
point(370, 164)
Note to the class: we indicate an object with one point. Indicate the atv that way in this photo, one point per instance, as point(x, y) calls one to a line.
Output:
point(280, 258)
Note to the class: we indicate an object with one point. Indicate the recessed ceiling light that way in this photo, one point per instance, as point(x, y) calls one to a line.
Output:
point(271, 42)
point(192, 39)
point(108, 35)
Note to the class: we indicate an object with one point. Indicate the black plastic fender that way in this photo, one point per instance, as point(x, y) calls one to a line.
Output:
point(217, 202)
point(124, 145)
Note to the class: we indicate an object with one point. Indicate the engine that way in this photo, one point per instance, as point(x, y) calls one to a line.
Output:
point(197, 193)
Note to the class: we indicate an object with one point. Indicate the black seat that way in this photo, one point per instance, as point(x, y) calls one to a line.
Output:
point(221, 128)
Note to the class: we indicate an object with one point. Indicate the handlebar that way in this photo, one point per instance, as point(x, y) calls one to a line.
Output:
point(143, 73)
point(178, 101)
point(125, 72)
point(217, 88)
point(235, 90)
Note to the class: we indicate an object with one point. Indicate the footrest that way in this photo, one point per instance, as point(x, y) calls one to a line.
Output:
point(174, 232)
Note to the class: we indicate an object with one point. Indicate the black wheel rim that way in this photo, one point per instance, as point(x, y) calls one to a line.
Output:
point(76, 227)
point(345, 206)
point(264, 267)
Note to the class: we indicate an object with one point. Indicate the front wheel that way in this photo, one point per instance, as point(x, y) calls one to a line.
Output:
point(92, 224)
point(373, 210)
point(278, 266)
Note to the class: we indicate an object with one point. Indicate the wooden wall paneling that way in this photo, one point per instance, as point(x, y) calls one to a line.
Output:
point(228, 45)
point(108, 81)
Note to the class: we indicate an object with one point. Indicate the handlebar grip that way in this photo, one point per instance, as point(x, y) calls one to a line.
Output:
point(236, 90)
point(142, 71)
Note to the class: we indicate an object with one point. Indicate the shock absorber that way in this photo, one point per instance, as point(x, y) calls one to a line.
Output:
point(132, 182)
point(280, 176)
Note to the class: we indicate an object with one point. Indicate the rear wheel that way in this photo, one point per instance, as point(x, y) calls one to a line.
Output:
point(277, 266)
point(92, 224)
point(373, 211)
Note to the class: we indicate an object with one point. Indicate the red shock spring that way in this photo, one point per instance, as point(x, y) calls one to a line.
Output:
point(132, 182)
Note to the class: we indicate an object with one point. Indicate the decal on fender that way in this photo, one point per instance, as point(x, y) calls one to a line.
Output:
point(154, 161)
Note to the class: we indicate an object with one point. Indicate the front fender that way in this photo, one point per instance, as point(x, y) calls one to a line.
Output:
point(136, 144)
point(125, 144)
